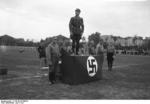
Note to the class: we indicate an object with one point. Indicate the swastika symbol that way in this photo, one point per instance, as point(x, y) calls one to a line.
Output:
point(91, 66)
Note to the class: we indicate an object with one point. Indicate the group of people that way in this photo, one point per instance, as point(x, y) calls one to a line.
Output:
point(52, 53)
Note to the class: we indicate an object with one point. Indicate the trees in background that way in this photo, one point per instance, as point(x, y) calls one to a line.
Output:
point(60, 39)
point(128, 43)
point(94, 37)
point(8, 40)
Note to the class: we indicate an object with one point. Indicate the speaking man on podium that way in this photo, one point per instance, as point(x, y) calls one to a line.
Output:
point(76, 27)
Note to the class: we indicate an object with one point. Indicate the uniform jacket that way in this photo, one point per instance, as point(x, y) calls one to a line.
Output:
point(110, 49)
point(52, 53)
point(76, 25)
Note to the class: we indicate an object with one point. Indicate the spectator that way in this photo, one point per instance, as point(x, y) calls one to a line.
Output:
point(81, 51)
point(91, 49)
point(52, 55)
point(110, 55)
point(69, 50)
point(42, 55)
point(99, 48)
point(64, 50)
point(85, 46)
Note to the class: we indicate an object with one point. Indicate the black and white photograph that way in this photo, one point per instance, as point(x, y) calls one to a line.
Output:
point(74, 50)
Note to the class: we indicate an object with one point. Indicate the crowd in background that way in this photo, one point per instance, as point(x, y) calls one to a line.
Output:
point(85, 49)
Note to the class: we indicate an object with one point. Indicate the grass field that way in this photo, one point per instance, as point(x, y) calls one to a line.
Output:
point(130, 79)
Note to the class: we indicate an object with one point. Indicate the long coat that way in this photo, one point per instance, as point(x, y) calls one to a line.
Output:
point(52, 53)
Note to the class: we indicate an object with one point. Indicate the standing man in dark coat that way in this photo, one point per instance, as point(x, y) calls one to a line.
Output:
point(42, 55)
point(110, 55)
point(76, 27)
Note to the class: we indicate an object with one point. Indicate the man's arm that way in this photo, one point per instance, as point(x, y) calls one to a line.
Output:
point(97, 49)
point(48, 55)
point(70, 26)
point(82, 25)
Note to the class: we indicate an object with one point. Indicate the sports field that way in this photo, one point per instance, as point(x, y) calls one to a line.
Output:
point(130, 79)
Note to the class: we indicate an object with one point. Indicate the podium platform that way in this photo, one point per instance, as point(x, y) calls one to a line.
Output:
point(81, 69)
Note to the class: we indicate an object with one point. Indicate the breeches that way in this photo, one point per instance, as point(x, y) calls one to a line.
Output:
point(54, 65)
point(75, 42)
point(53, 69)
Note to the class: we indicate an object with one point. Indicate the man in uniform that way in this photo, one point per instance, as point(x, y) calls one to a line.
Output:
point(110, 55)
point(76, 28)
point(52, 55)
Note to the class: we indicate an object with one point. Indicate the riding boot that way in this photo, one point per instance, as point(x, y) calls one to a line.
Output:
point(108, 67)
point(54, 77)
point(51, 77)
point(111, 67)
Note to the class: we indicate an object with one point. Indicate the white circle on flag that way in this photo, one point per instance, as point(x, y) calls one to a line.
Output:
point(92, 66)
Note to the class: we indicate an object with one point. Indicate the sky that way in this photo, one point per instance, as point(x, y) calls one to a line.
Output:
point(38, 19)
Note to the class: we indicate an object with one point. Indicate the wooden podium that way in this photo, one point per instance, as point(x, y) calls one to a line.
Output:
point(81, 69)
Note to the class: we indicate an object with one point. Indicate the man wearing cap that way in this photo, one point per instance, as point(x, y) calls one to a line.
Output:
point(76, 28)
point(52, 56)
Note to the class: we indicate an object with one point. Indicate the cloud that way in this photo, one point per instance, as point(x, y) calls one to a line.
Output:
point(42, 18)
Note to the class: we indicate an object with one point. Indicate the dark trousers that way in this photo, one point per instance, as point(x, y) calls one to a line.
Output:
point(75, 43)
point(52, 77)
point(52, 71)
point(110, 60)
